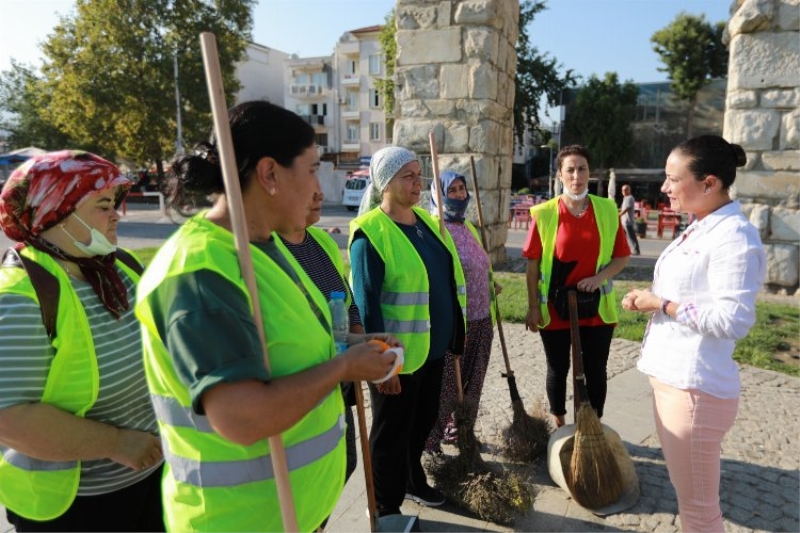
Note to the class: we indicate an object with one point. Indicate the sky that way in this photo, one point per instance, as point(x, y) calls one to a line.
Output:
point(588, 36)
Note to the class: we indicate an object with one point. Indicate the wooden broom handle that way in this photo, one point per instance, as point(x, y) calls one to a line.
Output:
point(233, 193)
point(578, 378)
point(485, 243)
point(365, 455)
point(437, 185)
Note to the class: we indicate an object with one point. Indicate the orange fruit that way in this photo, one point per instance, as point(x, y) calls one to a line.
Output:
point(379, 343)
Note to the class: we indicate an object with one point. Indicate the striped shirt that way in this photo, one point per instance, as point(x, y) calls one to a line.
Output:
point(316, 263)
point(123, 400)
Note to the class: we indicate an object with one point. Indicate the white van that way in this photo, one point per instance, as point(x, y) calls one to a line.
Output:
point(354, 189)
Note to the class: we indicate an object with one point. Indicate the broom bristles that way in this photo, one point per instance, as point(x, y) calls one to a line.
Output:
point(596, 479)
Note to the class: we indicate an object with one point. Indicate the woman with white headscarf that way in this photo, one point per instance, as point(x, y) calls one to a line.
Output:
point(407, 280)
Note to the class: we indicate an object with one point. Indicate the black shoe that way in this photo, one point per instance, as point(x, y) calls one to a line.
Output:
point(427, 496)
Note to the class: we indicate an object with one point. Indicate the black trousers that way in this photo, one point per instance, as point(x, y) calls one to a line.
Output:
point(595, 344)
point(134, 508)
point(400, 426)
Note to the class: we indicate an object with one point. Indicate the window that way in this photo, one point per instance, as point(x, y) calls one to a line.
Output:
point(319, 78)
point(352, 101)
point(303, 109)
point(352, 132)
point(374, 98)
point(352, 67)
point(301, 79)
point(374, 131)
point(375, 64)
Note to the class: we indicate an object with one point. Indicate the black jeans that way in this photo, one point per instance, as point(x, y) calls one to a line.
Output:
point(400, 426)
point(134, 508)
point(595, 344)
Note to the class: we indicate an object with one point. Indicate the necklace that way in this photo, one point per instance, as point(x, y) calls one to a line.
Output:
point(419, 231)
point(583, 209)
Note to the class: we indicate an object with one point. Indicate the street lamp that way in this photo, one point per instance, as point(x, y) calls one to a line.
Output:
point(549, 146)
point(179, 140)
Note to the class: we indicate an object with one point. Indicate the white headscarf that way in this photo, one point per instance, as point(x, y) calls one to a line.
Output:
point(385, 163)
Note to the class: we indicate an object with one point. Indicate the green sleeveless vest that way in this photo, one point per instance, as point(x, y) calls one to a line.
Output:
point(211, 483)
point(606, 214)
point(32, 488)
point(404, 300)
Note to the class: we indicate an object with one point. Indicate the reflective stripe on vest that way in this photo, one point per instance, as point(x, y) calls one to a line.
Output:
point(208, 474)
point(607, 217)
point(26, 462)
point(32, 488)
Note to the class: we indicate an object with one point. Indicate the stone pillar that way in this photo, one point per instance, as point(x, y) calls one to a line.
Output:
point(455, 73)
point(763, 116)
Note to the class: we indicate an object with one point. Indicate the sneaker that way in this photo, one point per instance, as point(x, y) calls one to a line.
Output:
point(427, 496)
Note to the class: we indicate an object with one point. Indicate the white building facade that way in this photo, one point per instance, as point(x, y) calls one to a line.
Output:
point(261, 74)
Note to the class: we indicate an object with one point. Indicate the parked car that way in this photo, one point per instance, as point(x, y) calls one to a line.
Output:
point(354, 189)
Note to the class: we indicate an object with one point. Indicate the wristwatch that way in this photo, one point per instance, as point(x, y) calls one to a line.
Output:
point(664, 304)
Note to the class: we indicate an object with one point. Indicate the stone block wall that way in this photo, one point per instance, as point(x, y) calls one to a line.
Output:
point(454, 76)
point(763, 115)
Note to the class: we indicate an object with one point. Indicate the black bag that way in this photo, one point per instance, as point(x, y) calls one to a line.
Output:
point(588, 302)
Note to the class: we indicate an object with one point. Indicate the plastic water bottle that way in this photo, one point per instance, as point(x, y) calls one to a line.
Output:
point(340, 319)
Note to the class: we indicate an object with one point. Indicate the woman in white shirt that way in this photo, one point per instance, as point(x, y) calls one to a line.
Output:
point(703, 299)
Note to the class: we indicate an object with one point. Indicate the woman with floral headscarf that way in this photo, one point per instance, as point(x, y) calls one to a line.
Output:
point(480, 310)
point(77, 429)
point(407, 280)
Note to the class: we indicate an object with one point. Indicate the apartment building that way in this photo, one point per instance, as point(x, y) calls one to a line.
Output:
point(308, 92)
point(261, 74)
point(360, 128)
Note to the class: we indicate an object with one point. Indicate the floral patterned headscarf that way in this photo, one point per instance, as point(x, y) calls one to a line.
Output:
point(48, 188)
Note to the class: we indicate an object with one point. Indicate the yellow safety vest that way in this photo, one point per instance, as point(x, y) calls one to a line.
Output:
point(607, 216)
point(405, 294)
point(211, 483)
point(33, 488)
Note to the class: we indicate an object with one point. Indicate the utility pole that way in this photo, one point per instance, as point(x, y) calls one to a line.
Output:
point(179, 140)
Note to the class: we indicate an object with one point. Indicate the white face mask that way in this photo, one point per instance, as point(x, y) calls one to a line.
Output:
point(98, 243)
point(577, 197)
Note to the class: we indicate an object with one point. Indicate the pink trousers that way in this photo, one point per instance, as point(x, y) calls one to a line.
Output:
point(691, 425)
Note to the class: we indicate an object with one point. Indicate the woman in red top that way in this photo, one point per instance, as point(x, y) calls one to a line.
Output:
point(584, 222)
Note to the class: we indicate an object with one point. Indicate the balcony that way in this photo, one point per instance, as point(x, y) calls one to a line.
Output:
point(351, 113)
point(351, 146)
point(351, 79)
point(348, 48)
point(307, 91)
point(314, 120)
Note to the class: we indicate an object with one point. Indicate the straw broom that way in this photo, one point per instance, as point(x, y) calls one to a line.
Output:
point(230, 174)
point(490, 492)
point(526, 436)
point(594, 473)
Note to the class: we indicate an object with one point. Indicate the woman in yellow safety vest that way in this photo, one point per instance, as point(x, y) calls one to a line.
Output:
point(77, 429)
point(215, 400)
point(575, 241)
point(407, 279)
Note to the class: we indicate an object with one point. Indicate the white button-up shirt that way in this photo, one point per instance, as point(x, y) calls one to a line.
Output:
point(713, 272)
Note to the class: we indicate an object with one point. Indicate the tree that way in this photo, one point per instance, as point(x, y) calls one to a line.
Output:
point(536, 79)
point(601, 118)
point(21, 97)
point(385, 86)
point(109, 71)
point(693, 53)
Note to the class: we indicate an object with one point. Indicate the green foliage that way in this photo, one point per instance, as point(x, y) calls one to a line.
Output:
point(537, 75)
point(777, 325)
point(109, 71)
point(601, 119)
point(21, 97)
point(693, 53)
point(385, 86)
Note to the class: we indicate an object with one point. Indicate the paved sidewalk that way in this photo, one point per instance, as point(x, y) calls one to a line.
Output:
point(760, 461)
